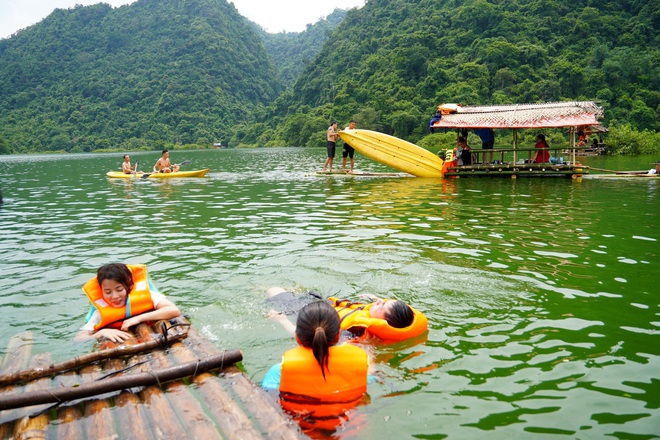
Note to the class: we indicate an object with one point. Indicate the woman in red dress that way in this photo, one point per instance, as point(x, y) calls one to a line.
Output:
point(542, 155)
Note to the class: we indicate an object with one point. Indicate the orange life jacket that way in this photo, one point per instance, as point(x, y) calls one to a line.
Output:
point(138, 300)
point(357, 315)
point(305, 392)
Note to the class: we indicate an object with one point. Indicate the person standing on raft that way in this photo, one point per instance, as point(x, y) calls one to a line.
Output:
point(332, 136)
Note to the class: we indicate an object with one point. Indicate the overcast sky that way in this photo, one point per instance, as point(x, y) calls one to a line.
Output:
point(272, 15)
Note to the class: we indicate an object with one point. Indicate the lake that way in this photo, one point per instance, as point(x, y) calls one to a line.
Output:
point(541, 294)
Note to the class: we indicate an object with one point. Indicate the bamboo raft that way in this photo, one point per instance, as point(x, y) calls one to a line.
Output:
point(167, 383)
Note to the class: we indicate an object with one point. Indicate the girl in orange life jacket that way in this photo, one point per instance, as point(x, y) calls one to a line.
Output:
point(319, 377)
point(388, 320)
point(122, 296)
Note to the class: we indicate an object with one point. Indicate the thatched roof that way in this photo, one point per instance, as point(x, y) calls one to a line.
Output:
point(546, 115)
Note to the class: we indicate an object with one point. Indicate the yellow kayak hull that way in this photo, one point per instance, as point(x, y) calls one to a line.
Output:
point(121, 175)
point(394, 152)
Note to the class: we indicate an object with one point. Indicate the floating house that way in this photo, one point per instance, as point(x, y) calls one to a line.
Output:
point(515, 161)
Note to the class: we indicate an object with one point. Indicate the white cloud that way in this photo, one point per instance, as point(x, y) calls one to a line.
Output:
point(274, 16)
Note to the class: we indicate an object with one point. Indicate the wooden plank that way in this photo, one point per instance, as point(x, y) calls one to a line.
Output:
point(69, 425)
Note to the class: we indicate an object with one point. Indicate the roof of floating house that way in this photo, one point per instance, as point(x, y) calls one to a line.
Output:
point(546, 115)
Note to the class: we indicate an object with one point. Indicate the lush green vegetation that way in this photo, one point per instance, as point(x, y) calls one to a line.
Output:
point(398, 59)
point(154, 73)
point(292, 51)
point(171, 72)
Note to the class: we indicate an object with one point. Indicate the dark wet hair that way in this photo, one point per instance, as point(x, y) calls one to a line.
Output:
point(542, 138)
point(461, 139)
point(400, 315)
point(118, 272)
point(317, 328)
point(125, 156)
point(165, 151)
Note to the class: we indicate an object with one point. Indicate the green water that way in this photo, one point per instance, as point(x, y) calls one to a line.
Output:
point(541, 294)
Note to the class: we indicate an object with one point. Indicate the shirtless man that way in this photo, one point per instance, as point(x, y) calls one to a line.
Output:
point(126, 166)
point(164, 166)
point(332, 136)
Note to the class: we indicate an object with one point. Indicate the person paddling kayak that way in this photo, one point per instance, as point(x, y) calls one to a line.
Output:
point(164, 166)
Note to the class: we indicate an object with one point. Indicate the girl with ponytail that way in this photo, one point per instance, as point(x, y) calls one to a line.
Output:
point(319, 377)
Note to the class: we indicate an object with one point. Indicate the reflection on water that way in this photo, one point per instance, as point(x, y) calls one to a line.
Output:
point(539, 293)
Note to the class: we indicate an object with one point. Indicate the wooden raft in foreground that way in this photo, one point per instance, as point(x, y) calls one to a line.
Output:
point(181, 387)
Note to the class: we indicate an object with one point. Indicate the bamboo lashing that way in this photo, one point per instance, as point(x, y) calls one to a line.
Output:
point(127, 381)
point(80, 361)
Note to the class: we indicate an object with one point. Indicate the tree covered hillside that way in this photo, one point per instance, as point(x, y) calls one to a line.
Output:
point(291, 51)
point(156, 72)
point(392, 62)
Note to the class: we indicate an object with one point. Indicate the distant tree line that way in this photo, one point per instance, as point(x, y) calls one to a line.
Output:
point(183, 74)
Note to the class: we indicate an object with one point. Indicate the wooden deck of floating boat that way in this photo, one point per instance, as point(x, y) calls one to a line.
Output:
point(216, 404)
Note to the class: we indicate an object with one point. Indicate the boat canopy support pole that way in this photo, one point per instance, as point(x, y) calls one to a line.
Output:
point(515, 145)
point(571, 143)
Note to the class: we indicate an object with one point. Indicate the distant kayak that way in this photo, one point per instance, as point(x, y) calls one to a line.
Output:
point(121, 175)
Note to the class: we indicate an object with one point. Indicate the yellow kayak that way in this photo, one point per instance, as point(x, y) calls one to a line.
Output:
point(121, 175)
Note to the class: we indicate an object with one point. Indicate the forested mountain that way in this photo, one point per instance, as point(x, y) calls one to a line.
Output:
point(170, 72)
point(291, 51)
point(392, 62)
point(155, 72)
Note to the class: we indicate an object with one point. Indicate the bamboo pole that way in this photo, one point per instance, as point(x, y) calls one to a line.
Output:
point(268, 413)
point(128, 412)
point(120, 383)
point(19, 349)
point(69, 418)
point(163, 418)
point(98, 420)
point(618, 172)
point(229, 417)
point(13, 377)
point(131, 417)
point(34, 427)
point(69, 426)
point(197, 423)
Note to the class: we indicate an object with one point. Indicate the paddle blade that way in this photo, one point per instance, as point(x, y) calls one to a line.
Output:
point(145, 176)
point(185, 162)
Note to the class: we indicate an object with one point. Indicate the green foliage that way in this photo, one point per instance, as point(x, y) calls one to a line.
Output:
point(168, 73)
point(438, 141)
point(486, 52)
point(4, 146)
point(291, 51)
point(152, 73)
point(624, 140)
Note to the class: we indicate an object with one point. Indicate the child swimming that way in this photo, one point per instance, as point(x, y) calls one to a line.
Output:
point(122, 296)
